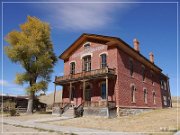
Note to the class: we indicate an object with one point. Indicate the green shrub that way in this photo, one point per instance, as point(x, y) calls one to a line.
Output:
point(12, 112)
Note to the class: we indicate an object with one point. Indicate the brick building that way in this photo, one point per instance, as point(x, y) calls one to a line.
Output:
point(103, 72)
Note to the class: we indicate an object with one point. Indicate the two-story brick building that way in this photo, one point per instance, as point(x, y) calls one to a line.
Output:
point(103, 72)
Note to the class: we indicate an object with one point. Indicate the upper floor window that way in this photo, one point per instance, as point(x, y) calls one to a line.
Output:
point(152, 77)
point(163, 85)
point(87, 63)
point(131, 67)
point(103, 60)
point(145, 96)
point(133, 94)
point(154, 97)
point(87, 45)
point(143, 73)
point(72, 68)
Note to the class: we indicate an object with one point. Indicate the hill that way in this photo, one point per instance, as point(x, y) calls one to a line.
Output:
point(48, 99)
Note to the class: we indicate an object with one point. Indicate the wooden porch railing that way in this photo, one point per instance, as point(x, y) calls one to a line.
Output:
point(86, 74)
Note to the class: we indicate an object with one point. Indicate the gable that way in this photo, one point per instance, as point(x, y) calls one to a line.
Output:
point(109, 42)
point(81, 40)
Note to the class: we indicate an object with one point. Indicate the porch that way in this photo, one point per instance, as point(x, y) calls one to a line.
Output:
point(90, 89)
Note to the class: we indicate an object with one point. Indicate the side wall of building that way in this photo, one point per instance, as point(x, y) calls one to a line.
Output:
point(125, 81)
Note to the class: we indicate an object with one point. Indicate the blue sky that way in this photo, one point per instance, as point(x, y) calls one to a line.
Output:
point(153, 24)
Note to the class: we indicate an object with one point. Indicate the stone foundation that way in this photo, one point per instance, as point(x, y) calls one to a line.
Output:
point(128, 111)
point(93, 111)
point(56, 111)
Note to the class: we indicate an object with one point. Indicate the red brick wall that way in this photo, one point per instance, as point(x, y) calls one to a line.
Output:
point(95, 91)
point(119, 89)
point(125, 80)
point(95, 58)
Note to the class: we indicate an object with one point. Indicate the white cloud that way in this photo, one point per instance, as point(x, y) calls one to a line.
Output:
point(83, 16)
point(11, 88)
point(4, 83)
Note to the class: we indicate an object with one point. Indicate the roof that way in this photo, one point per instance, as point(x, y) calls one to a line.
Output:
point(110, 41)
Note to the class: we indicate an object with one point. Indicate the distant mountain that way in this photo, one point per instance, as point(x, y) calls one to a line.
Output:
point(48, 99)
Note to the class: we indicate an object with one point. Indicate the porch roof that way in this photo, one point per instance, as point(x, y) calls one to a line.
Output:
point(93, 74)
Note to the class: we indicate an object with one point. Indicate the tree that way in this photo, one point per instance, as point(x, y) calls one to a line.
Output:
point(31, 47)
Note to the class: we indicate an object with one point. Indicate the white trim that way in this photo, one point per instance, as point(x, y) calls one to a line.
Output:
point(72, 61)
point(86, 54)
point(87, 43)
point(132, 84)
point(103, 53)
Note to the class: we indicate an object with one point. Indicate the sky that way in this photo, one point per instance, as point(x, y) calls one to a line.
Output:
point(153, 24)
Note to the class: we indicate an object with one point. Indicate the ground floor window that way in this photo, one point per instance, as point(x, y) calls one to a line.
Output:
point(72, 94)
point(145, 96)
point(133, 94)
point(154, 97)
point(165, 100)
point(103, 90)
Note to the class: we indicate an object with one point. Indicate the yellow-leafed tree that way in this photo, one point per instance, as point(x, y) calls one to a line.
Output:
point(32, 48)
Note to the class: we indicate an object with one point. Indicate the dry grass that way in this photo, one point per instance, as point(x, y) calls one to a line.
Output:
point(154, 121)
point(27, 117)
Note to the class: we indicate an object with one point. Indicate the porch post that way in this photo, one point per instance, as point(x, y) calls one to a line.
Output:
point(107, 96)
point(70, 91)
point(54, 93)
point(84, 85)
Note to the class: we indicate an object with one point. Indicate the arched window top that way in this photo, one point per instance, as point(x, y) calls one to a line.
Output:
point(87, 45)
point(103, 53)
point(133, 86)
point(144, 88)
point(72, 62)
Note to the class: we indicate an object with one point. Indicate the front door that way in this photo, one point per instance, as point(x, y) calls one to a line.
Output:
point(88, 95)
point(103, 90)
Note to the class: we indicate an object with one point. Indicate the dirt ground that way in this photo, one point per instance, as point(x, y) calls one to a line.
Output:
point(162, 120)
point(154, 121)
point(16, 130)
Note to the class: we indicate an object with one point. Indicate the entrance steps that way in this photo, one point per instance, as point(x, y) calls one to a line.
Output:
point(69, 113)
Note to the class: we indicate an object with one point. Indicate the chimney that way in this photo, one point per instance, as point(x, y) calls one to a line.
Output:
point(151, 57)
point(136, 45)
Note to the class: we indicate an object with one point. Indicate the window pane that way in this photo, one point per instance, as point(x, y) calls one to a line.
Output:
point(87, 63)
point(103, 60)
point(131, 67)
point(103, 91)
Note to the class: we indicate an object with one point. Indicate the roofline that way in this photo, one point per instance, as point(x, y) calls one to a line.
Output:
point(60, 56)
point(119, 39)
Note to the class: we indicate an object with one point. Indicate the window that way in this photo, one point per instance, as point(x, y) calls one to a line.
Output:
point(72, 94)
point(72, 68)
point(87, 63)
point(103, 90)
point(152, 77)
point(154, 97)
point(163, 85)
point(103, 60)
point(165, 100)
point(87, 46)
point(131, 67)
point(145, 96)
point(133, 90)
point(143, 73)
